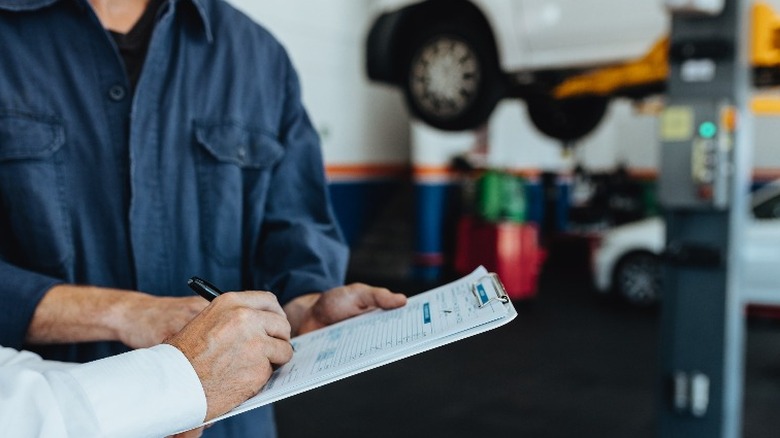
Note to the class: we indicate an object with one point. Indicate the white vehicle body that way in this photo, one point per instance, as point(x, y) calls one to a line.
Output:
point(646, 235)
point(760, 253)
point(557, 34)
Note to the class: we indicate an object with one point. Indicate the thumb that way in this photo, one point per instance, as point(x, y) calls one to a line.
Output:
point(384, 299)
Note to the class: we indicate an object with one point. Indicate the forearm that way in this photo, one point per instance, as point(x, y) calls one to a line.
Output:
point(70, 313)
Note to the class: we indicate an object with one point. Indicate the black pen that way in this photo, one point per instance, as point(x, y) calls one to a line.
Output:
point(204, 288)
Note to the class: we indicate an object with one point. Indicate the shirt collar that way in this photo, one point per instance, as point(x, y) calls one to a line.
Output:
point(205, 13)
point(203, 7)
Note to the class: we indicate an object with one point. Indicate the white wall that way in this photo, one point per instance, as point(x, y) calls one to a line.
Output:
point(626, 136)
point(514, 143)
point(359, 122)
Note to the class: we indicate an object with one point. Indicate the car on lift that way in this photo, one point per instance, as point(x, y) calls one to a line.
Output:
point(455, 59)
point(626, 260)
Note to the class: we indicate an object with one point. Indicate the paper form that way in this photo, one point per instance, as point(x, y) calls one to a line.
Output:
point(431, 319)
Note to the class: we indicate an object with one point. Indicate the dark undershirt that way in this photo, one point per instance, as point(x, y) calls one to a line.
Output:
point(134, 44)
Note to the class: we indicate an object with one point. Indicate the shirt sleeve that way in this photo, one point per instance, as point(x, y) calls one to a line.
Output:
point(21, 290)
point(149, 392)
point(299, 221)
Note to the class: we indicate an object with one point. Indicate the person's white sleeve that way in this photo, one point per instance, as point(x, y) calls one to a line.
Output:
point(149, 392)
point(10, 357)
point(29, 360)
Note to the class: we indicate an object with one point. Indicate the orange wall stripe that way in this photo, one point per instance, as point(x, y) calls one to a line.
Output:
point(366, 171)
point(446, 172)
point(350, 172)
point(432, 171)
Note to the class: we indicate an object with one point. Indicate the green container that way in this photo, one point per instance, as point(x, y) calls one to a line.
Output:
point(501, 197)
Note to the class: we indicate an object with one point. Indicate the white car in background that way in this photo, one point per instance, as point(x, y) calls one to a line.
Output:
point(455, 59)
point(626, 259)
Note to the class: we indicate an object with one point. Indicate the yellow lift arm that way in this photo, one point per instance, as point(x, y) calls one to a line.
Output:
point(608, 81)
point(653, 67)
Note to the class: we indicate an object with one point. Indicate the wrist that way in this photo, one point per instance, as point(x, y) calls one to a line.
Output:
point(299, 311)
point(119, 311)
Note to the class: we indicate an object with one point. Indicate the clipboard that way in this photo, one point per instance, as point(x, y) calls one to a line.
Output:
point(466, 307)
point(480, 293)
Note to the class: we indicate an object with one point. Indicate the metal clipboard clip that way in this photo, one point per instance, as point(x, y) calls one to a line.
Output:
point(481, 295)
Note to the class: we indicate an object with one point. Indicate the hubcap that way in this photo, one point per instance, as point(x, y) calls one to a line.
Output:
point(445, 77)
point(639, 281)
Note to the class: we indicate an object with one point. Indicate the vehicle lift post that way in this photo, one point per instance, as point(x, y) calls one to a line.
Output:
point(706, 141)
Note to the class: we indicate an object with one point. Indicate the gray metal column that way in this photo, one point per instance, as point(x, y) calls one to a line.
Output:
point(703, 187)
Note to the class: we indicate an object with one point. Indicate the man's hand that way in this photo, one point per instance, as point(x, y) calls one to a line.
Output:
point(313, 311)
point(144, 320)
point(234, 345)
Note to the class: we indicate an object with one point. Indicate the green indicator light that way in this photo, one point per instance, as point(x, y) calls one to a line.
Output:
point(707, 129)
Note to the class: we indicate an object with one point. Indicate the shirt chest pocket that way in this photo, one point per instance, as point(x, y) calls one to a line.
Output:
point(35, 231)
point(234, 166)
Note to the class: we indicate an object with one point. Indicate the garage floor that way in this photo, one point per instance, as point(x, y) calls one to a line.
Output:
point(570, 365)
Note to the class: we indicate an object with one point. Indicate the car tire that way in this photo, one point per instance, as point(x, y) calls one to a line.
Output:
point(453, 80)
point(566, 120)
point(637, 279)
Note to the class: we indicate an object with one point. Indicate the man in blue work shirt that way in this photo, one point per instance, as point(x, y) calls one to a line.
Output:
point(141, 144)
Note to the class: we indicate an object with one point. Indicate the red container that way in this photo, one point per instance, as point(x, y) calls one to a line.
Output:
point(509, 249)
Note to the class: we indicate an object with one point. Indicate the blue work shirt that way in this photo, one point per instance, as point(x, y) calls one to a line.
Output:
point(210, 168)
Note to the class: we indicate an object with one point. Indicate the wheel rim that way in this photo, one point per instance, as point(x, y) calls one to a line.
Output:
point(445, 77)
point(638, 280)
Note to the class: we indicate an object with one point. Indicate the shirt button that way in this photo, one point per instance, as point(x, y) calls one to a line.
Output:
point(117, 93)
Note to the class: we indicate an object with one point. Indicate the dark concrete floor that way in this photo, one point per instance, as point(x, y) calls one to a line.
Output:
point(570, 365)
